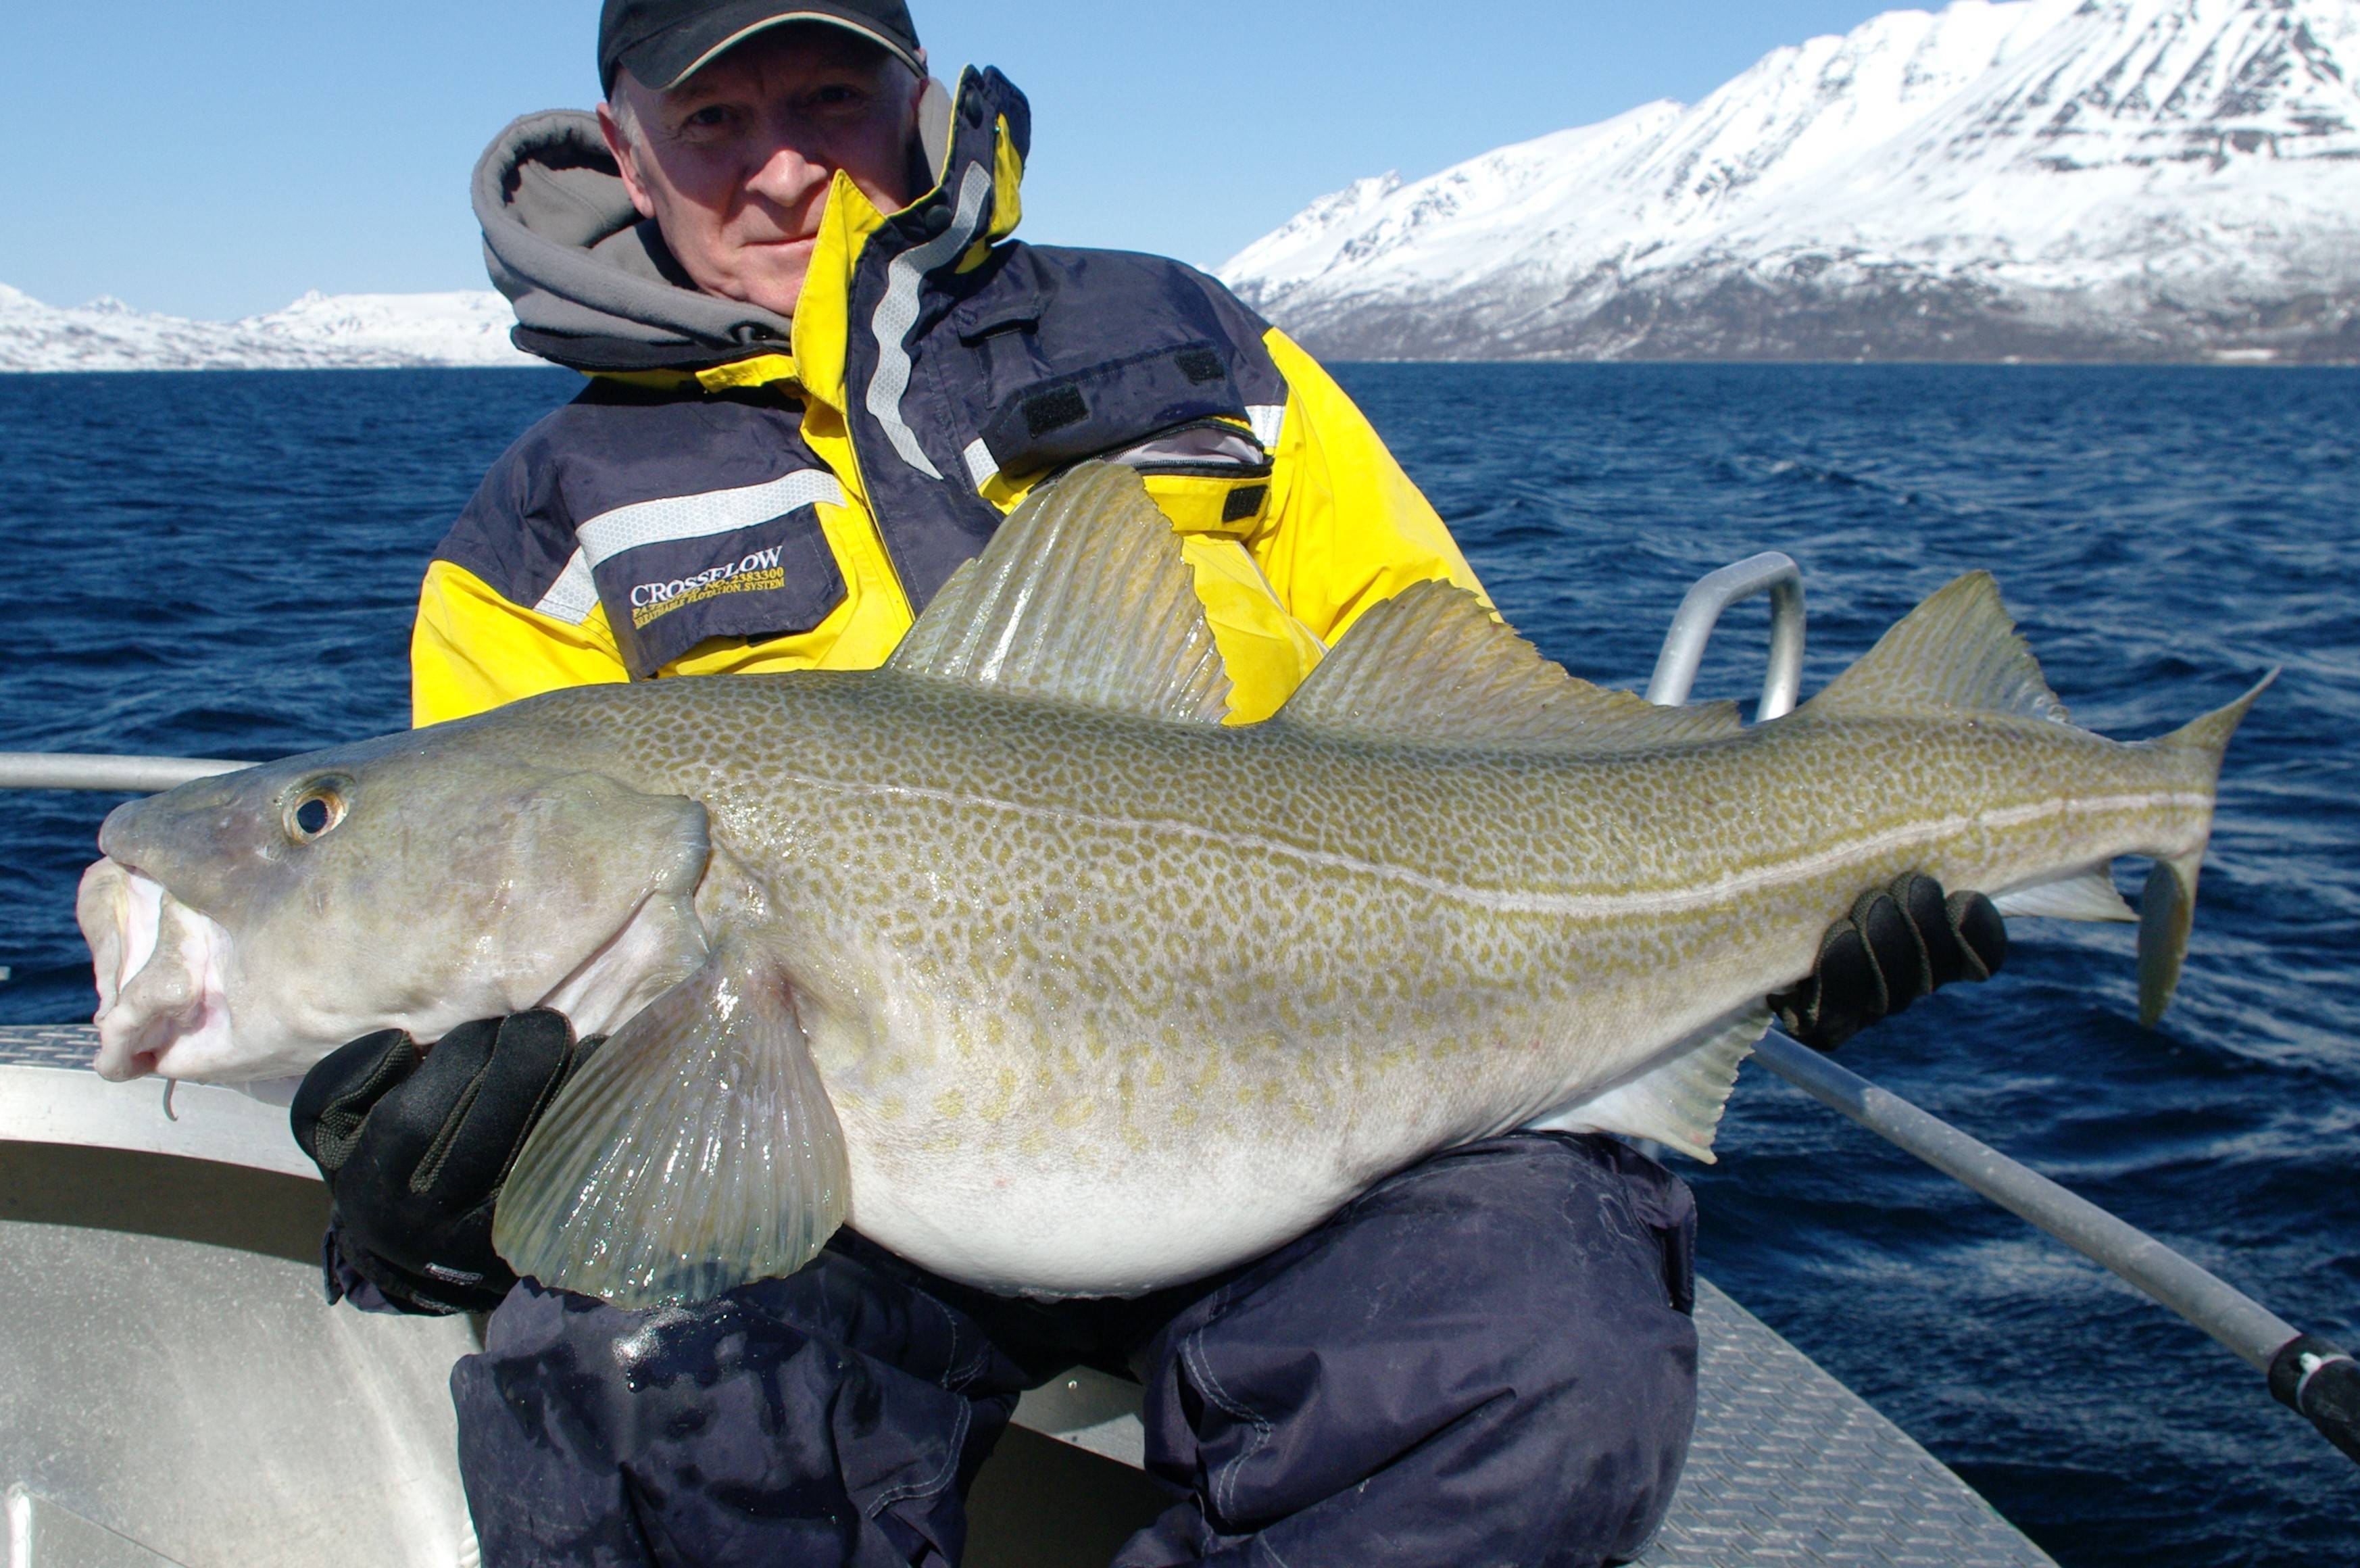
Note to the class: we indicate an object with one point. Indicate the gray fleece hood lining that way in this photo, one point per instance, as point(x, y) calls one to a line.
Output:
point(564, 243)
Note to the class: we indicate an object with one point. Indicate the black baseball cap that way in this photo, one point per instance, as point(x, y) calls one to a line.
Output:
point(663, 42)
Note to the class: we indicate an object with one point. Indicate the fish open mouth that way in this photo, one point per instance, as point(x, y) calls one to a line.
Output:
point(161, 1004)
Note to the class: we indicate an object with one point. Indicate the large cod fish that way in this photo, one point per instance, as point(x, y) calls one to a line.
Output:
point(1012, 956)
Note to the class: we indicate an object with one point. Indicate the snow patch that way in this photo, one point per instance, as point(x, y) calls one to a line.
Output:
point(317, 332)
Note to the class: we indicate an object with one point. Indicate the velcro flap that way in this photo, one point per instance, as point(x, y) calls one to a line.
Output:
point(1050, 423)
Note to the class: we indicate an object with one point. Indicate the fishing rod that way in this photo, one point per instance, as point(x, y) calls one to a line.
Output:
point(2312, 1377)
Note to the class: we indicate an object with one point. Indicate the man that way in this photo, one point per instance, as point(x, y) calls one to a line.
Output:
point(822, 372)
point(760, 299)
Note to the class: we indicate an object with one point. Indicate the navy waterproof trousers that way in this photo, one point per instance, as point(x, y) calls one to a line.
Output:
point(1487, 1358)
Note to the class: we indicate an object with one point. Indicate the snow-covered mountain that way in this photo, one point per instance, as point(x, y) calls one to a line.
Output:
point(317, 332)
point(2049, 179)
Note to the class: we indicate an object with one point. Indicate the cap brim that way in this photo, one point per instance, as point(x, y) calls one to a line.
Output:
point(677, 59)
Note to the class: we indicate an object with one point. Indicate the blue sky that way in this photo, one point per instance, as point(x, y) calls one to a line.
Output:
point(218, 158)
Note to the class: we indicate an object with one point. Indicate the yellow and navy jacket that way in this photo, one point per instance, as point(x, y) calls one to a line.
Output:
point(738, 492)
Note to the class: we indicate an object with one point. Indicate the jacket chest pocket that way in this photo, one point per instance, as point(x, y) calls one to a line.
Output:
point(752, 562)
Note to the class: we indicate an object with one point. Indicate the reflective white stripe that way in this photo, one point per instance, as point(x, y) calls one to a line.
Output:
point(610, 534)
point(897, 312)
point(979, 464)
point(574, 596)
point(1267, 419)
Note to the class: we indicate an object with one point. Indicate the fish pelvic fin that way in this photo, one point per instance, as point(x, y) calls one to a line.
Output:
point(1083, 594)
point(1433, 665)
point(1959, 651)
point(2168, 907)
point(1678, 1102)
point(694, 1152)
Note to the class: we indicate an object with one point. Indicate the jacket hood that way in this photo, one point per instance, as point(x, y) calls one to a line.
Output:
point(594, 285)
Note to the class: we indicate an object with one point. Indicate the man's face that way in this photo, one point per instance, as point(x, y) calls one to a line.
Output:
point(734, 163)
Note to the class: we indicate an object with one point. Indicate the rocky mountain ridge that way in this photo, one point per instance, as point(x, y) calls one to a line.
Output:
point(2146, 180)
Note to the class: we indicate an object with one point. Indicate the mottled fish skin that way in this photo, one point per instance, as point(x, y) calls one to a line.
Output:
point(1100, 999)
point(1104, 995)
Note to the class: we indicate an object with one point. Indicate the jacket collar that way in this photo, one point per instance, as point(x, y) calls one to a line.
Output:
point(975, 195)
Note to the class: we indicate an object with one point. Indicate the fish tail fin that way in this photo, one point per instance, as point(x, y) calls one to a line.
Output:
point(2167, 908)
point(1959, 651)
point(694, 1152)
point(2203, 740)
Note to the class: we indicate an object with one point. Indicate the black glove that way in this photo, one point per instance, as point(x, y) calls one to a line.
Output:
point(1897, 943)
point(415, 1150)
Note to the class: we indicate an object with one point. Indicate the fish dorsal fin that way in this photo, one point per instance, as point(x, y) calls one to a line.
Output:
point(1958, 652)
point(1432, 665)
point(1083, 595)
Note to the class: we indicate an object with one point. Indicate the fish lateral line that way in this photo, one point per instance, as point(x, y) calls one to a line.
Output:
point(1629, 902)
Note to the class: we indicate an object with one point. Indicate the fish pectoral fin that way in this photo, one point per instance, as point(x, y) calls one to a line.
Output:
point(2079, 896)
point(695, 1151)
point(1678, 1102)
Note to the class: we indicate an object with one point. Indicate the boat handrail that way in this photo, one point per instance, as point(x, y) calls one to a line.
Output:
point(126, 775)
point(1771, 573)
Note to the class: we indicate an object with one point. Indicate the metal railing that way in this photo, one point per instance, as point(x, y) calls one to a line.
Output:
point(129, 775)
point(2306, 1373)
point(1769, 572)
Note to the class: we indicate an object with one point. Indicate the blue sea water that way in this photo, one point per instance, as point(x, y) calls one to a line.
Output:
point(225, 564)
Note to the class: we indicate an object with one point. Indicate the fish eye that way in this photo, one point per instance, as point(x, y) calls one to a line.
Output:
point(313, 809)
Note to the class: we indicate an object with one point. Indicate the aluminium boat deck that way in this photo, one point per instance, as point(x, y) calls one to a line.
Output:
point(173, 1390)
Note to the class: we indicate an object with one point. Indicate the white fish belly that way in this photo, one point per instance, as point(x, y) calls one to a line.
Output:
point(1060, 1164)
point(1040, 1228)
point(1148, 1167)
